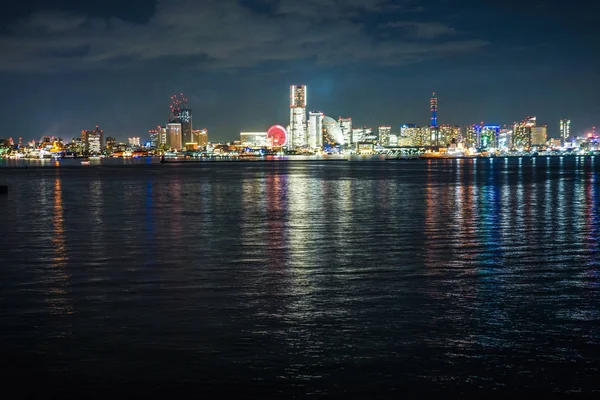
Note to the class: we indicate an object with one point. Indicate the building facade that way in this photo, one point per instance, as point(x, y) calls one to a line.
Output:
point(298, 137)
point(174, 136)
point(93, 141)
point(315, 129)
point(346, 127)
point(384, 135)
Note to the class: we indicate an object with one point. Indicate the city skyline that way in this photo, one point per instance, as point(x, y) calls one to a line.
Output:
point(76, 65)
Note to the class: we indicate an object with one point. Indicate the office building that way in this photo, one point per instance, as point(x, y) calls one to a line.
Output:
point(448, 134)
point(346, 127)
point(565, 130)
point(93, 141)
point(180, 114)
point(522, 134)
point(487, 138)
point(111, 144)
point(200, 137)
point(134, 141)
point(253, 139)
point(539, 135)
point(384, 135)
point(297, 133)
point(174, 136)
point(471, 138)
point(315, 129)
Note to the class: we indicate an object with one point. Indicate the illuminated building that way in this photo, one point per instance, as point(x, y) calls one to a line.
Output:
point(488, 137)
point(111, 144)
point(93, 141)
point(448, 135)
point(332, 133)
point(417, 136)
point(134, 141)
point(404, 133)
point(433, 107)
point(539, 135)
point(315, 129)
point(565, 130)
point(174, 136)
point(179, 113)
point(393, 140)
point(154, 137)
point(471, 138)
point(297, 135)
point(384, 135)
point(360, 134)
point(200, 137)
point(522, 132)
point(253, 139)
point(346, 127)
point(277, 136)
point(504, 138)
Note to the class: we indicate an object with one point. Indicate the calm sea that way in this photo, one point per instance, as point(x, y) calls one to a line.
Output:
point(319, 278)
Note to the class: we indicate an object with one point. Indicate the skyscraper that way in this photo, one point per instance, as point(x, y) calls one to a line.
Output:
point(315, 129)
point(522, 133)
point(565, 130)
point(346, 127)
point(174, 136)
point(297, 135)
point(433, 107)
point(200, 137)
point(180, 114)
point(488, 137)
point(539, 136)
point(93, 141)
point(384, 135)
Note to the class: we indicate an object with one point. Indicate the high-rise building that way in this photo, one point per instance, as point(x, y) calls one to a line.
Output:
point(315, 129)
point(154, 137)
point(111, 144)
point(346, 127)
point(179, 113)
point(471, 138)
point(297, 132)
point(487, 138)
point(418, 136)
point(504, 138)
point(174, 136)
point(93, 141)
point(384, 135)
point(200, 137)
point(448, 134)
point(433, 107)
point(522, 133)
point(134, 141)
point(404, 129)
point(565, 130)
point(539, 135)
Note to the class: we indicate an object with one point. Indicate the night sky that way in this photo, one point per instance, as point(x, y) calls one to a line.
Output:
point(68, 65)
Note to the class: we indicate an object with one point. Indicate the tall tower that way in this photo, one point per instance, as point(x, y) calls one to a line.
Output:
point(298, 134)
point(180, 114)
point(315, 129)
point(433, 107)
point(565, 130)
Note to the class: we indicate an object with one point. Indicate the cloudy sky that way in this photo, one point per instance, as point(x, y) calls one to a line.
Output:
point(67, 65)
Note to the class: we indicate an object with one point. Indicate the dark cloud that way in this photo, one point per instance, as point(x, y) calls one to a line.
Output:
point(223, 34)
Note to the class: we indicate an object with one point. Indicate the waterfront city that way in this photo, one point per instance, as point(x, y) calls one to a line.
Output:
point(314, 134)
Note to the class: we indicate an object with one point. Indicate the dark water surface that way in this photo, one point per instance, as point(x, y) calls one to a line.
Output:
point(289, 277)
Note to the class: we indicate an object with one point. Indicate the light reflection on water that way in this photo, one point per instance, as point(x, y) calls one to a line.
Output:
point(324, 277)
